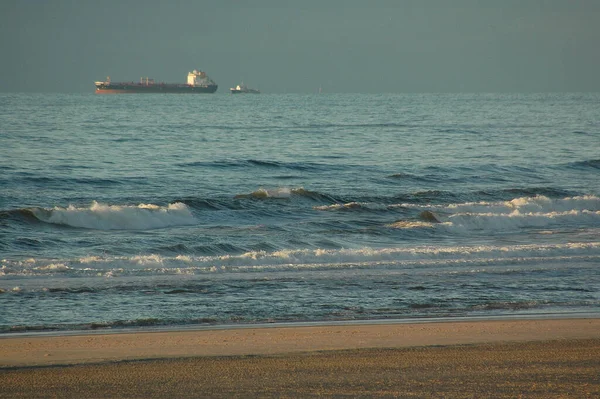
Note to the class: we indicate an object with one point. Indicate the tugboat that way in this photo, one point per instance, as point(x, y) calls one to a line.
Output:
point(242, 88)
point(197, 82)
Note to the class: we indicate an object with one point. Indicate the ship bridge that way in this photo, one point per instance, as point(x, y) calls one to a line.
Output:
point(198, 78)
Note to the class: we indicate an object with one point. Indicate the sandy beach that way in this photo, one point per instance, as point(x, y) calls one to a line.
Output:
point(503, 358)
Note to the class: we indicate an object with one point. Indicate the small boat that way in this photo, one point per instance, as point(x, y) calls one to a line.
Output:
point(242, 88)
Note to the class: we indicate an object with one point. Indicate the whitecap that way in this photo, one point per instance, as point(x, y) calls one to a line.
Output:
point(118, 217)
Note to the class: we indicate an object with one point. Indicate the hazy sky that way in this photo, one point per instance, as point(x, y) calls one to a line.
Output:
point(298, 46)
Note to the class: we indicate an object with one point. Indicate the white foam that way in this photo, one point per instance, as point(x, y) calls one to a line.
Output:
point(90, 259)
point(411, 224)
point(148, 259)
point(53, 267)
point(119, 217)
point(184, 258)
point(305, 257)
point(526, 212)
point(517, 220)
point(537, 204)
point(350, 205)
point(282, 193)
point(335, 207)
point(308, 259)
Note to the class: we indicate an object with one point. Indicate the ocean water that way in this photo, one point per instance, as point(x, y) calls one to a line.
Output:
point(152, 211)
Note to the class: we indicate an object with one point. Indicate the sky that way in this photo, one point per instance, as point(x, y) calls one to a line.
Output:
point(281, 46)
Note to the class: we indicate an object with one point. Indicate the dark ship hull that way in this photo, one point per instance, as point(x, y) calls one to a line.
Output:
point(249, 91)
point(118, 88)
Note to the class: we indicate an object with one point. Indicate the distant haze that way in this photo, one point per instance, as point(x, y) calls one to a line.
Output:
point(301, 46)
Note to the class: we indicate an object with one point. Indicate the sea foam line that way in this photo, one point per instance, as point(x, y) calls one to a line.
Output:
point(303, 258)
point(536, 204)
point(440, 266)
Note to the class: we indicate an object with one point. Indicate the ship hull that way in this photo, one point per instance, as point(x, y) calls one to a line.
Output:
point(154, 88)
point(244, 92)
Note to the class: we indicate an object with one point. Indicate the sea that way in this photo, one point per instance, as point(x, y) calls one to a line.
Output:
point(173, 211)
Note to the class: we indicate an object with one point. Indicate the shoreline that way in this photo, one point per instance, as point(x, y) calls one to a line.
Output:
point(541, 358)
point(98, 347)
point(293, 324)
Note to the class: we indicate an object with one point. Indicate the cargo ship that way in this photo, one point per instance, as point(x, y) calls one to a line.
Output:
point(197, 82)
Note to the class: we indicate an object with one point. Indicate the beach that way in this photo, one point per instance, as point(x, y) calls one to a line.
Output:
point(482, 358)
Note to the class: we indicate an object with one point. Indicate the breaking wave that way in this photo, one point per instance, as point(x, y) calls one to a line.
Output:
point(525, 212)
point(117, 217)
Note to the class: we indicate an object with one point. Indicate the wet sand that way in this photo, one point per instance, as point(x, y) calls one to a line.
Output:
point(532, 358)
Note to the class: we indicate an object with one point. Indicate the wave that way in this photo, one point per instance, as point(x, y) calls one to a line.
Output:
point(425, 178)
point(256, 163)
point(212, 204)
point(261, 193)
point(588, 164)
point(425, 219)
point(286, 193)
point(433, 198)
point(517, 220)
point(40, 180)
point(467, 174)
point(117, 217)
point(352, 206)
point(403, 258)
point(536, 212)
point(538, 203)
point(536, 191)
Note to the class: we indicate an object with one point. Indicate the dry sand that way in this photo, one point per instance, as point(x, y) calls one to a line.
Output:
point(531, 358)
